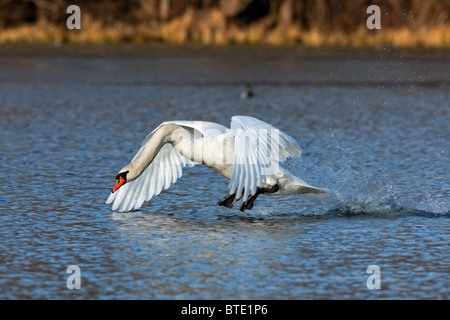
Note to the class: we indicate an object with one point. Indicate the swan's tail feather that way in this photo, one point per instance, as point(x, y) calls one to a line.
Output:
point(312, 190)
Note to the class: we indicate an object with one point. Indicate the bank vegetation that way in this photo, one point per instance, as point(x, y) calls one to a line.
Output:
point(221, 22)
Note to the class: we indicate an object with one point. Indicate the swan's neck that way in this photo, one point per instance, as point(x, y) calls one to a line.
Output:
point(186, 145)
point(148, 152)
point(167, 133)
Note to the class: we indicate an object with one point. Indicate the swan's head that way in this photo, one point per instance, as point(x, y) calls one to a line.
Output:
point(121, 180)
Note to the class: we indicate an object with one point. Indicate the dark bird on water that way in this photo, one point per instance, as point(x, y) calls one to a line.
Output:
point(248, 93)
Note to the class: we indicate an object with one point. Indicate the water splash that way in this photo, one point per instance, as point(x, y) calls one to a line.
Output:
point(359, 188)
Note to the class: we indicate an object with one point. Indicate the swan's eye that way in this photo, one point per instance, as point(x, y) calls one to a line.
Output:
point(122, 175)
point(121, 180)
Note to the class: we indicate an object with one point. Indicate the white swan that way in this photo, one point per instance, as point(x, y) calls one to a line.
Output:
point(247, 154)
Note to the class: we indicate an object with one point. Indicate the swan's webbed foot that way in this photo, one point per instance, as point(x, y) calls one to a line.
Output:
point(248, 204)
point(228, 201)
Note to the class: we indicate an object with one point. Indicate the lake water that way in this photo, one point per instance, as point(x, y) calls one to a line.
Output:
point(373, 126)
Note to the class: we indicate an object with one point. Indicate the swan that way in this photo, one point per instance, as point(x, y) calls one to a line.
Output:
point(248, 154)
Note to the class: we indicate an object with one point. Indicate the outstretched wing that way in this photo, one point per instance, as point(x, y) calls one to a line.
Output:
point(164, 170)
point(259, 147)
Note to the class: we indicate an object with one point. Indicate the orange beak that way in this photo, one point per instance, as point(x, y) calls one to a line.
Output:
point(119, 183)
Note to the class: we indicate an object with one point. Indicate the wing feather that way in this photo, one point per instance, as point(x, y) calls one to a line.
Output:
point(165, 169)
point(168, 171)
point(151, 182)
point(259, 147)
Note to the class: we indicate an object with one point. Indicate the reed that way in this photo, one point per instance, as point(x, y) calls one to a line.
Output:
point(278, 22)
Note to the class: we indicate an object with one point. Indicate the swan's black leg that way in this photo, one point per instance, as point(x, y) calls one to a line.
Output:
point(272, 189)
point(248, 204)
point(228, 200)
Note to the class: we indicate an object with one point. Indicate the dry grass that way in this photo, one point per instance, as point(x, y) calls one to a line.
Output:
point(211, 27)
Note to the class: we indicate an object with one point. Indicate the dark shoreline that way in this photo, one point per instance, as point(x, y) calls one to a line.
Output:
point(257, 51)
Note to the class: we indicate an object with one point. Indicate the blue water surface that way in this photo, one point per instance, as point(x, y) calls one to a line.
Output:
point(375, 131)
